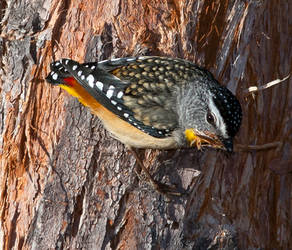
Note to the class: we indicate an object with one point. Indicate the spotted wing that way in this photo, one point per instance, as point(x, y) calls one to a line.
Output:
point(93, 79)
point(152, 84)
point(105, 87)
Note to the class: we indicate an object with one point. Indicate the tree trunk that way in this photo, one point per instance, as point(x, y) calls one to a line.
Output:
point(66, 184)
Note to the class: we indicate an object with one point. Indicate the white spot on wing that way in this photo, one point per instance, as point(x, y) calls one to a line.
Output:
point(90, 80)
point(55, 76)
point(120, 94)
point(113, 102)
point(93, 67)
point(99, 85)
point(57, 63)
point(126, 115)
point(119, 108)
point(82, 77)
point(110, 91)
point(79, 73)
point(74, 67)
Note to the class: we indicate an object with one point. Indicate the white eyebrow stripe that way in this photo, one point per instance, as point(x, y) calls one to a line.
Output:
point(219, 119)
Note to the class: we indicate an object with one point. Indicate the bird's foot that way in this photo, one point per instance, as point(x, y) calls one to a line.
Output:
point(164, 189)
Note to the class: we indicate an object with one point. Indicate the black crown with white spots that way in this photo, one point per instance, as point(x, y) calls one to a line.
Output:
point(229, 108)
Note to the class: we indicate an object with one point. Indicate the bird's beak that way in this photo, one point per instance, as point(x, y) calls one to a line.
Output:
point(202, 139)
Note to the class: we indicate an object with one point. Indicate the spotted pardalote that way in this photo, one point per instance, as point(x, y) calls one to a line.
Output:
point(153, 102)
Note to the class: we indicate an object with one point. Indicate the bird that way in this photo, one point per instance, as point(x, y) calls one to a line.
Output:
point(153, 102)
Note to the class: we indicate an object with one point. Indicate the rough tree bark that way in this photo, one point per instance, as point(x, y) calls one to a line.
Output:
point(66, 184)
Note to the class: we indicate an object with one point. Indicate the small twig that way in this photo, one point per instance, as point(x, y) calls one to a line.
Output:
point(268, 85)
point(240, 147)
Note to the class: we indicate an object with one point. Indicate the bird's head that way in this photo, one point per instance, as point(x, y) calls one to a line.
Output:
point(209, 115)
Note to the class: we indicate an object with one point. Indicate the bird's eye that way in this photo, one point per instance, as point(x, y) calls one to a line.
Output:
point(211, 118)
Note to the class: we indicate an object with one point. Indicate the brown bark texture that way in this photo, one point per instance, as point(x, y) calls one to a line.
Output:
point(66, 184)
